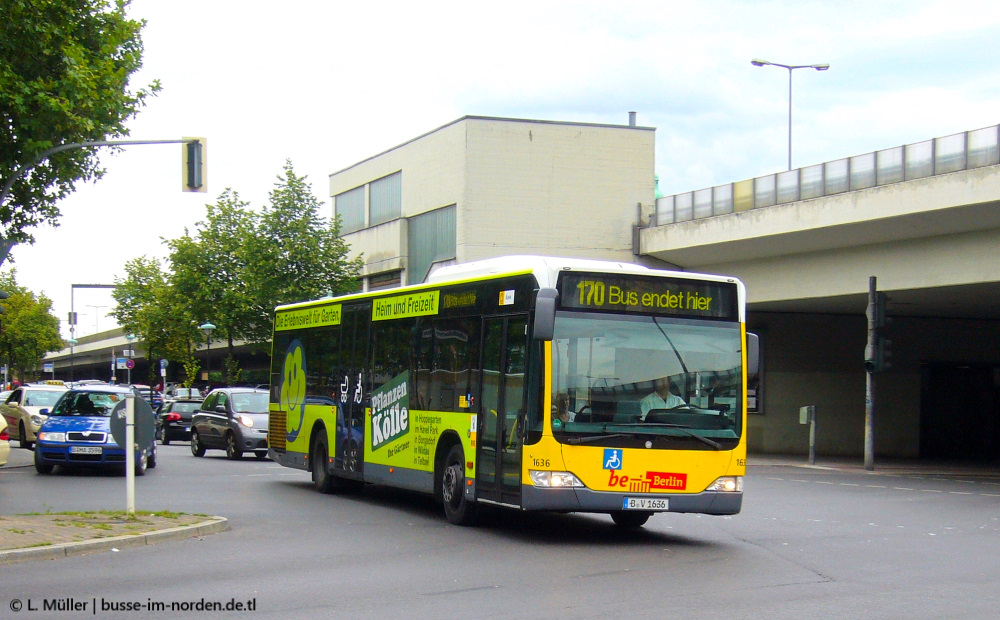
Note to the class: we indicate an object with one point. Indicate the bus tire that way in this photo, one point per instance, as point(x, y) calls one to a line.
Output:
point(319, 455)
point(457, 508)
point(629, 519)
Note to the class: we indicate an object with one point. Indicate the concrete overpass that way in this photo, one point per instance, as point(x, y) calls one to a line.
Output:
point(925, 220)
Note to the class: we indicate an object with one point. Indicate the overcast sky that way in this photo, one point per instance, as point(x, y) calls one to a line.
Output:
point(326, 83)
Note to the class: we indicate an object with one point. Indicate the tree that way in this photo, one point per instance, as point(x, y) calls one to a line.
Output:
point(210, 268)
point(64, 78)
point(28, 331)
point(233, 270)
point(298, 255)
point(148, 306)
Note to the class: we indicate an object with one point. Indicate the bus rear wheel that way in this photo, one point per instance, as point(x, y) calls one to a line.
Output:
point(321, 477)
point(457, 508)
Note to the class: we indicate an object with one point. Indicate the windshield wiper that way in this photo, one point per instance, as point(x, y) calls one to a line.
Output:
point(688, 431)
point(680, 427)
point(590, 438)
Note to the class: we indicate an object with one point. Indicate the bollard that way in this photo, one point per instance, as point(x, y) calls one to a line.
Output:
point(807, 415)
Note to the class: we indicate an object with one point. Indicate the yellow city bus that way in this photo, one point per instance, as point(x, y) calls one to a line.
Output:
point(533, 383)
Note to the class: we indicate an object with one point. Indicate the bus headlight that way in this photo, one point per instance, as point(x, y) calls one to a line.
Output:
point(727, 484)
point(554, 479)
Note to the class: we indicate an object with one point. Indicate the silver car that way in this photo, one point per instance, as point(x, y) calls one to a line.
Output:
point(231, 419)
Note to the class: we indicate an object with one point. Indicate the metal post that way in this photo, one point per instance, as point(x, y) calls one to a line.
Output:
point(789, 118)
point(812, 436)
point(870, 383)
point(130, 454)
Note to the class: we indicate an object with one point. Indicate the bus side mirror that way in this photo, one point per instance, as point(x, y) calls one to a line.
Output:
point(753, 356)
point(545, 314)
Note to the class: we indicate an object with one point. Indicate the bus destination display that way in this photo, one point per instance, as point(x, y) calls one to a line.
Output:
point(647, 295)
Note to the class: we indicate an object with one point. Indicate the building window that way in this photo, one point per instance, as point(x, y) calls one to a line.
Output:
point(385, 199)
point(350, 207)
point(431, 239)
point(388, 279)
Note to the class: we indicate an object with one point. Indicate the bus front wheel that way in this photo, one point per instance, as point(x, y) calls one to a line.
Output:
point(457, 508)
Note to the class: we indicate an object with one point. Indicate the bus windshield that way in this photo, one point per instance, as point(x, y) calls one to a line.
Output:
point(627, 380)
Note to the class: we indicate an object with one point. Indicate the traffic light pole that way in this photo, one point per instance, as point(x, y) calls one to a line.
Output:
point(23, 170)
point(870, 378)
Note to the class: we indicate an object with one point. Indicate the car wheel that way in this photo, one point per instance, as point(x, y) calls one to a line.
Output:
point(260, 455)
point(140, 465)
point(196, 448)
point(233, 451)
point(459, 510)
point(152, 457)
point(40, 467)
point(22, 437)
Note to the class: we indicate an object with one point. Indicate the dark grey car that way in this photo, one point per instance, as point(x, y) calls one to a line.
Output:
point(231, 419)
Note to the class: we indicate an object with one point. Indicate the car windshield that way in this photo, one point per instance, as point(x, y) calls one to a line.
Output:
point(41, 398)
point(86, 404)
point(250, 402)
point(185, 407)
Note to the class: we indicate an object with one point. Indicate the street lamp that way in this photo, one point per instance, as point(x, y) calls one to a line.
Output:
point(207, 328)
point(760, 63)
point(128, 366)
point(72, 343)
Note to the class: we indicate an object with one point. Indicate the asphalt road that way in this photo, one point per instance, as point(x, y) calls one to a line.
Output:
point(810, 543)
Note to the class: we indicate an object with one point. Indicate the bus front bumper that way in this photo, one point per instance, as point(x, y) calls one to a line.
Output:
point(586, 500)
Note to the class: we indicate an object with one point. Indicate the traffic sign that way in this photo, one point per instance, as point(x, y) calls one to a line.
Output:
point(130, 364)
point(144, 426)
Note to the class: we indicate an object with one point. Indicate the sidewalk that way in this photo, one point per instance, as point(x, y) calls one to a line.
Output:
point(54, 535)
point(884, 466)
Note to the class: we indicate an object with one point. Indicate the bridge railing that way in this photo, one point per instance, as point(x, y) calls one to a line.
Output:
point(960, 151)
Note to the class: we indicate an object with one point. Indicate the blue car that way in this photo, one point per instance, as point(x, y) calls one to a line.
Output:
point(77, 432)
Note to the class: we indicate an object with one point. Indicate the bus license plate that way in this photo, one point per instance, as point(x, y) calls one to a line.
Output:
point(85, 449)
point(645, 503)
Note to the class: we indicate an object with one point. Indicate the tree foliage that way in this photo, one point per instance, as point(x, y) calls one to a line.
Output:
point(28, 330)
point(233, 269)
point(298, 254)
point(148, 306)
point(64, 78)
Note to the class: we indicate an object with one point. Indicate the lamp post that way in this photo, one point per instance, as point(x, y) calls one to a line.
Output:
point(207, 329)
point(128, 366)
point(760, 63)
point(72, 343)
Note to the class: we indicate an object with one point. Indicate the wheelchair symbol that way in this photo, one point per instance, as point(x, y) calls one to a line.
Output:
point(612, 459)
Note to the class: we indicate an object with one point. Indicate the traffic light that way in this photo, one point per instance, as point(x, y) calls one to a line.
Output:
point(3, 295)
point(877, 355)
point(876, 311)
point(193, 156)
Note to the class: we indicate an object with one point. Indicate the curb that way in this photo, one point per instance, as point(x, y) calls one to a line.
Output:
point(62, 550)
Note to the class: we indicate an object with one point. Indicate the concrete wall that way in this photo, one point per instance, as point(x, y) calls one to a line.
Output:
point(554, 189)
point(433, 176)
point(519, 187)
point(817, 360)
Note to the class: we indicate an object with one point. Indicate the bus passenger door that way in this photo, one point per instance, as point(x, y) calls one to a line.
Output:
point(498, 474)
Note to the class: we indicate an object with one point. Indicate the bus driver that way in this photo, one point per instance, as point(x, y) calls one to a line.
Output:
point(660, 398)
